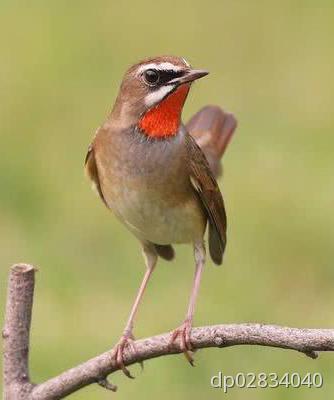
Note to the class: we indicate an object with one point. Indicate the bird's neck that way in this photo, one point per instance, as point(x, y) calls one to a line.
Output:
point(163, 120)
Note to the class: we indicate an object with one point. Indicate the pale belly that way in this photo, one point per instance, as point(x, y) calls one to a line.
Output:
point(151, 194)
point(149, 216)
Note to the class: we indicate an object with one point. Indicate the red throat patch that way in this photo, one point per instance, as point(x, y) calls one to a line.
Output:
point(164, 119)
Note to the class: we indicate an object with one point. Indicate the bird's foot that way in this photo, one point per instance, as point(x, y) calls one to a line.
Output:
point(184, 332)
point(126, 342)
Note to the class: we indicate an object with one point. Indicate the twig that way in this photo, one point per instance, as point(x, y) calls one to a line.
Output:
point(95, 370)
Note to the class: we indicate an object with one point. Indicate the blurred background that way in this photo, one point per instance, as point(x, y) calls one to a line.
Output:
point(271, 64)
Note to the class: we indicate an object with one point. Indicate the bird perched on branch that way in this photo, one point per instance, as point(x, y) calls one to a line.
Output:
point(158, 176)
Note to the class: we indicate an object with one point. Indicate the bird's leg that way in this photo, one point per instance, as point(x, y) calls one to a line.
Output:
point(184, 330)
point(127, 338)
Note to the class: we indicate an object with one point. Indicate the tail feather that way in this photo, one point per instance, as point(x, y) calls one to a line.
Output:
point(212, 128)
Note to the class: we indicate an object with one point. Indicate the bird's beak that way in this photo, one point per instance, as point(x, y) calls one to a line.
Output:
point(189, 76)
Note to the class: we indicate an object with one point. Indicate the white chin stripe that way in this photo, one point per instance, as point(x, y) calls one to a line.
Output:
point(156, 96)
point(159, 66)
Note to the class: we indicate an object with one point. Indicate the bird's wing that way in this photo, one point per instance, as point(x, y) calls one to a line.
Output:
point(92, 171)
point(205, 185)
point(212, 129)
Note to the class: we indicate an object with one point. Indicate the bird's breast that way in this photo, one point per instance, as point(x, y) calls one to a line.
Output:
point(146, 184)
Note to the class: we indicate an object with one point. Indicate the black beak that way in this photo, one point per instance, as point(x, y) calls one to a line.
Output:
point(189, 76)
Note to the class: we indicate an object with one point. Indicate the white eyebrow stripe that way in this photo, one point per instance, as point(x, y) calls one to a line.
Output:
point(156, 96)
point(186, 62)
point(159, 66)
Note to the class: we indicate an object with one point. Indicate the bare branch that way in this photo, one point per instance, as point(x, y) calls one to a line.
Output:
point(302, 340)
point(16, 331)
point(96, 370)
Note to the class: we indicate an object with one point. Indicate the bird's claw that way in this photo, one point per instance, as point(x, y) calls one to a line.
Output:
point(126, 342)
point(184, 332)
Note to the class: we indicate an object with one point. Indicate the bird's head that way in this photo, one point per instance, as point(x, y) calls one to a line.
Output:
point(153, 93)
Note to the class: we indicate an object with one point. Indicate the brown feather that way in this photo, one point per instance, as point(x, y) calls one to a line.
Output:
point(212, 129)
point(208, 191)
point(165, 251)
point(92, 171)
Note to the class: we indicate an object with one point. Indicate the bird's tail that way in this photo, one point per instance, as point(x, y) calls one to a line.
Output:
point(212, 129)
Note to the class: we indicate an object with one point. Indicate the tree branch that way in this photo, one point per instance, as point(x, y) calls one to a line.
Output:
point(16, 331)
point(96, 370)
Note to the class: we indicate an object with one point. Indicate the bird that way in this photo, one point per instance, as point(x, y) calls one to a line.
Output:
point(158, 175)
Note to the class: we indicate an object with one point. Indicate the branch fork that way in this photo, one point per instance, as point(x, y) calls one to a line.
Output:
point(17, 384)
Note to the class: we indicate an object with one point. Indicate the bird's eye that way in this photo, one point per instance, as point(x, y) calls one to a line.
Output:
point(151, 76)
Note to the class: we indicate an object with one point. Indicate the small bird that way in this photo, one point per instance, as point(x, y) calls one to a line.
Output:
point(158, 176)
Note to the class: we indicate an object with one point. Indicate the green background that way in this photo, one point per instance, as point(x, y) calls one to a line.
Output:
point(271, 64)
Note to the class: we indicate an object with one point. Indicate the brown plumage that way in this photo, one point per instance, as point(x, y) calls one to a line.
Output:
point(158, 176)
point(212, 129)
point(208, 191)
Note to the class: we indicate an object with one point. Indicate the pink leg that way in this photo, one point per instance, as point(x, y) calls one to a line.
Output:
point(127, 337)
point(184, 330)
